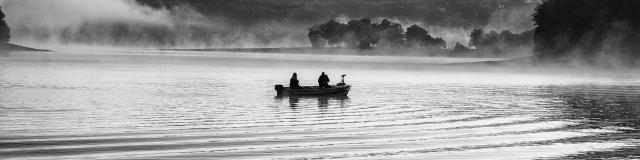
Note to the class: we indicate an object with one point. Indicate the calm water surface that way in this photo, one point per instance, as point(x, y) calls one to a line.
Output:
point(176, 105)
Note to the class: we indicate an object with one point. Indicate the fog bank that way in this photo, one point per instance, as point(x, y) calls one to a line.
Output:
point(126, 23)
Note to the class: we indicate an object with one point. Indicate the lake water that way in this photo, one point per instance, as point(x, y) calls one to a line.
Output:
point(185, 105)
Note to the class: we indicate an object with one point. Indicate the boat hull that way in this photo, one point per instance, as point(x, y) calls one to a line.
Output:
point(314, 91)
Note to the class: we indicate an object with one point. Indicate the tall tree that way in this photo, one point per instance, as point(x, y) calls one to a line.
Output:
point(476, 37)
point(391, 34)
point(333, 31)
point(5, 35)
point(420, 38)
point(416, 36)
point(368, 35)
point(352, 34)
point(315, 36)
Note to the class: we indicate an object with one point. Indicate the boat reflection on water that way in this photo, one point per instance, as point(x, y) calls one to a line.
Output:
point(323, 102)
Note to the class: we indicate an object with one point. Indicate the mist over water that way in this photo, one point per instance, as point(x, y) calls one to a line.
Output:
point(179, 105)
point(35, 21)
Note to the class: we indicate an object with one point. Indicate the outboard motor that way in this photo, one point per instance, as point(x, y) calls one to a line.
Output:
point(342, 81)
point(279, 88)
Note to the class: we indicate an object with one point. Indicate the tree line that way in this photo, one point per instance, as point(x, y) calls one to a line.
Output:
point(4, 29)
point(364, 34)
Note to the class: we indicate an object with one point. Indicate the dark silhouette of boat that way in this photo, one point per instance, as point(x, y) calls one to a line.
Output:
point(340, 89)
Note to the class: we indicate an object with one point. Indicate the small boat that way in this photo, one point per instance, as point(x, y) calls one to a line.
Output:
point(340, 89)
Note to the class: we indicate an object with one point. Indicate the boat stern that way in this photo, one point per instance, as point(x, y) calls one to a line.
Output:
point(279, 89)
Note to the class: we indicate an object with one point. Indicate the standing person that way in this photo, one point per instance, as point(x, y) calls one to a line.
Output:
point(323, 81)
point(294, 83)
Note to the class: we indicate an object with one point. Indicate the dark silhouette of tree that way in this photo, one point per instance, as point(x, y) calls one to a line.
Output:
point(4, 29)
point(476, 36)
point(315, 36)
point(352, 33)
point(416, 35)
point(436, 43)
point(333, 32)
point(365, 33)
point(391, 34)
point(361, 33)
point(419, 37)
point(490, 39)
point(510, 39)
point(589, 29)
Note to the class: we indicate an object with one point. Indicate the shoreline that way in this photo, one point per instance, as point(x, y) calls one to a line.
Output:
point(14, 47)
point(401, 52)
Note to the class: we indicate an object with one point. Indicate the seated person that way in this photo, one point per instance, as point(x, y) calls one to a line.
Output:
point(323, 81)
point(294, 83)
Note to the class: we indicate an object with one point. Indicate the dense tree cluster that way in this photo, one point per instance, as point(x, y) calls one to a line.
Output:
point(498, 42)
point(4, 29)
point(589, 29)
point(364, 34)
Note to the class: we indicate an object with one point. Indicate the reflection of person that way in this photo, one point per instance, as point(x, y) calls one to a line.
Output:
point(293, 102)
point(323, 81)
point(323, 102)
point(294, 83)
